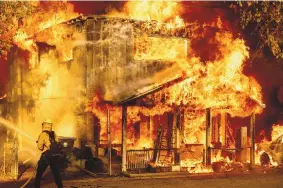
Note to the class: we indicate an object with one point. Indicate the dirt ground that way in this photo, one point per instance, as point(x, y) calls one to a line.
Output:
point(258, 180)
point(255, 181)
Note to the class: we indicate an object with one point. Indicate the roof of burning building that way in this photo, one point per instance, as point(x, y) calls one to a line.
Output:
point(150, 27)
point(132, 87)
point(120, 59)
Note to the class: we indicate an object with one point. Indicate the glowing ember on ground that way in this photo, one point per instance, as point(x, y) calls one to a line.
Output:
point(196, 166)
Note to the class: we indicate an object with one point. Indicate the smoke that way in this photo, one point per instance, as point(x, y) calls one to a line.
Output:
point(58, 97)
point(269, 73)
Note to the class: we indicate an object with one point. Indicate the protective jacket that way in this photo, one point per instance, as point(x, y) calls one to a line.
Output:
point(43, 142)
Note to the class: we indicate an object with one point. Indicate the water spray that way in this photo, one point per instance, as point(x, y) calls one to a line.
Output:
point(12, 126)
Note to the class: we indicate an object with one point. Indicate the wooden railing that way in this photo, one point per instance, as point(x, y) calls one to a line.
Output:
point(139, 158)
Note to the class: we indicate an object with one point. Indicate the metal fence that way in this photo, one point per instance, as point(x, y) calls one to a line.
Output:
point(139, 158)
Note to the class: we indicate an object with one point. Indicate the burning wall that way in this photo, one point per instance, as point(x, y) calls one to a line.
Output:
point(48, 89)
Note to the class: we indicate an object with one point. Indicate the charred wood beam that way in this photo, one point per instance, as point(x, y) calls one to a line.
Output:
point(130, 100)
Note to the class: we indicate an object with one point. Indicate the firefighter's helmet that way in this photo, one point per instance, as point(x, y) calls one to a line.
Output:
point(47, 125)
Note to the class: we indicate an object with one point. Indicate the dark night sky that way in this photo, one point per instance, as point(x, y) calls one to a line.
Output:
point(265, 69)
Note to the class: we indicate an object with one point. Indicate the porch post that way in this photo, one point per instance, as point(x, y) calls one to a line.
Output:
point(207, 135)
point(252, 133)
point(177, 137)
point(109, 142)
point(124, 138)
point(223, 122)
point(148, 134)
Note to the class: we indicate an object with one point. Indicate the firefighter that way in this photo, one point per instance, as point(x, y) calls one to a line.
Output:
point(46, 143)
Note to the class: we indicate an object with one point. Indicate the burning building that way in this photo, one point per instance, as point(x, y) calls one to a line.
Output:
point(136, 87)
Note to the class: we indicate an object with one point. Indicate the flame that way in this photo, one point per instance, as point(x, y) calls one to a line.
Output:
point(218, 84)
point(195, 166)
point(277, 130)
point(154, 48)
point(48, 14)
point(140, 143)
point(161, 11)
point(194, 130)
point(213, 85)
point(258, 155)
point(168, 20)
point(218, 158)
point(201, 168)
point(21, 39)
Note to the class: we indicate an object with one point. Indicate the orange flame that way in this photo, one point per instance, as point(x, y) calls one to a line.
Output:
point(47, 15)
point(277, 130)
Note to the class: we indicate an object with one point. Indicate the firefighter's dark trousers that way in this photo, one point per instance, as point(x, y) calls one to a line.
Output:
point(43, 163)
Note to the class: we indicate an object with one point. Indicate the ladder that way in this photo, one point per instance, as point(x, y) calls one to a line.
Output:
point(164, 146)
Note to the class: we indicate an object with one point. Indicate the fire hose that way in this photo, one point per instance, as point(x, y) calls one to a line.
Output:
point(27, 182)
